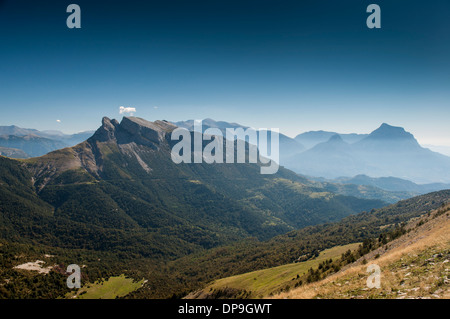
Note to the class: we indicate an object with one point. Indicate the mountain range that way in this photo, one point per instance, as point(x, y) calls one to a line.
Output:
point(387, 151)
point(123, 182)
point(369, 188)
point(118, 203)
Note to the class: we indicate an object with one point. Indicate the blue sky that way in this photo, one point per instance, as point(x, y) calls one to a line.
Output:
point(294, 65)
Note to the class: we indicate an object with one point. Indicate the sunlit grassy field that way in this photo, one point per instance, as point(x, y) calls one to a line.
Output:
point(110, 289)
point(262, 283)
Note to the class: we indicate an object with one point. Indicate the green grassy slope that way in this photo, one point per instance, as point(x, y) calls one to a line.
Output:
point(113, 287)
point(265, 282)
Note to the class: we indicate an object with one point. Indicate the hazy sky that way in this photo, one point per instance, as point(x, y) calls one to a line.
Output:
point(295, 65)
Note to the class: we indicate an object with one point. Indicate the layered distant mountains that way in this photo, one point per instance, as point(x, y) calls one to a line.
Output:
point(288, 146)
point(388, 151)
point(312, 138)
point(16, 142)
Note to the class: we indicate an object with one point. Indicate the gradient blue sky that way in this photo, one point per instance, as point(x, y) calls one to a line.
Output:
point(294, 65)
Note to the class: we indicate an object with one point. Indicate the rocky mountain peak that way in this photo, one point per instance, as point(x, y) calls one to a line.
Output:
point(107, 131)
point(133, 129)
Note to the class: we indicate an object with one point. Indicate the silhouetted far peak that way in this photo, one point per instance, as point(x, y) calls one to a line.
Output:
point(386, 131)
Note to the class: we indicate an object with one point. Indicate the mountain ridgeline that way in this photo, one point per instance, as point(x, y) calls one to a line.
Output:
point(120, 191)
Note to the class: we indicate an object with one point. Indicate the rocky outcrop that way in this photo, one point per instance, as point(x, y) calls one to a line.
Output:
point(133, 129)
point(133, 137)
point(107, 131)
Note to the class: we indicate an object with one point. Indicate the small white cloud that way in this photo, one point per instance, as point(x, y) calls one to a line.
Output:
point(129, 110)
point(59, 121)
point(155, 107)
